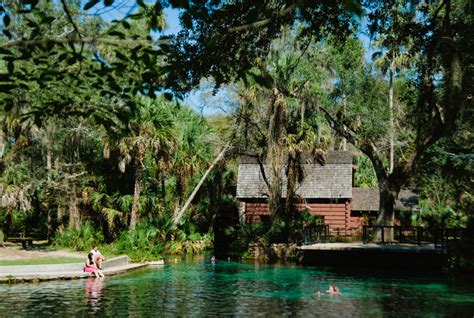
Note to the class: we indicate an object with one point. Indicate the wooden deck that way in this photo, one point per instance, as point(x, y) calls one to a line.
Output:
point(424, 256)
point(359, 246)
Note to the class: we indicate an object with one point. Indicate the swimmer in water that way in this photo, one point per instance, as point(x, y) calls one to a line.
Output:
point(333, 290)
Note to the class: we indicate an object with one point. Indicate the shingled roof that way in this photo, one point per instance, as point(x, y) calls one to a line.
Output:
point(368, 199)
point(365, 199)
point(331, 180)
point(332, 157)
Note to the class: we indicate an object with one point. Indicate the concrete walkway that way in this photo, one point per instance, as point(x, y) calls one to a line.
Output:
point(37, 273)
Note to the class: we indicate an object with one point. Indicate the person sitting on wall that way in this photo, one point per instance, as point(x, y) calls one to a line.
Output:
point(91, 266)
point(97, 257)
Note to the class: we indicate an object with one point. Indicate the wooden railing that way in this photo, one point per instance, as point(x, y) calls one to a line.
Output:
point(350, 233)
point(316, 233)
point(384, 234)
point(393, 234)
point(413, 235)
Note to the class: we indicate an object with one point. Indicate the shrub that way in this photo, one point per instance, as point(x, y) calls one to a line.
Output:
point(79, 240)
point(140, 245)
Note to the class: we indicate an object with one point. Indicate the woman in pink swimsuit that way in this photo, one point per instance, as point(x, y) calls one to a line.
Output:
point(91, 267)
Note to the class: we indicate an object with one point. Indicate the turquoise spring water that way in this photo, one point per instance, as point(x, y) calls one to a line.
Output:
point(198, 287)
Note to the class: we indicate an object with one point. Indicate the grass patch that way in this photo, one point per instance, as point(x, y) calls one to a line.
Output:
point(42, 261)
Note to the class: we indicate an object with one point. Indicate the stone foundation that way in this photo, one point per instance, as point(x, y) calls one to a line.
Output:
point(273, 252)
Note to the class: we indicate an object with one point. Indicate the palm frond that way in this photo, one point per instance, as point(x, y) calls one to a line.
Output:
point(111, 214)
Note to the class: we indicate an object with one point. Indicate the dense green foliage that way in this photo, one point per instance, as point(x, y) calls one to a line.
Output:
point(93, 149)
point(73, 181)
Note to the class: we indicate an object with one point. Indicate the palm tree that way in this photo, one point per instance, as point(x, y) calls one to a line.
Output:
point(286, 123)
point(151, 130)
point(392, 61)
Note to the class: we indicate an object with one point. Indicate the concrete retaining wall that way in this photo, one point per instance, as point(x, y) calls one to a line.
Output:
point(40, 268)
point(116, 261)
point(37, 273)
point(57, 268)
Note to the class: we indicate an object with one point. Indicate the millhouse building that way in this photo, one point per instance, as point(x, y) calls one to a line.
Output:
point(326, 190)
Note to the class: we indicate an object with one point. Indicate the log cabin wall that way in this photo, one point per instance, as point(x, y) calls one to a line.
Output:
point(254, 211)
point(336, 214)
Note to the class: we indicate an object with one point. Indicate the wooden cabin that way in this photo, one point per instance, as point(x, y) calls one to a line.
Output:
point(326, 190)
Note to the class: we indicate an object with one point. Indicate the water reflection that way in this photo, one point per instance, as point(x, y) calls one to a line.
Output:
point(203, 288)
point(93, 292)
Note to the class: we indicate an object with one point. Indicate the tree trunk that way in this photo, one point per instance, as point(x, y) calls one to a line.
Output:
point(49, 151)
point(180, 214)
point(49, 165)
point(276, 133)
point(275, 190)
point(389, 187)
point(318, 137)
point(7, 221)
point(137, 186)
point(59, 218)
point(391, 115)
point(293, 174)
point(179, 193)
point(74, 222)
point(49, 234)
point(344, 106)
point(2, 143)
point(386, 215)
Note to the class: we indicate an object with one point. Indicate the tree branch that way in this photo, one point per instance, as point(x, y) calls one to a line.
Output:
point(69, 16)
point(261, 23)
point(340, 128)
point(367, 146)
point(90, 40)
point(435, 14)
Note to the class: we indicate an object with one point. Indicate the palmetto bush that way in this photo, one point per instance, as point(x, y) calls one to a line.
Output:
point(79, 240)
point(142, 244)
point(151, 242)
point(194, 243)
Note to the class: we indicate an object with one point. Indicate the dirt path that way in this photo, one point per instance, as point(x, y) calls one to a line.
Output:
point(14, 252)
